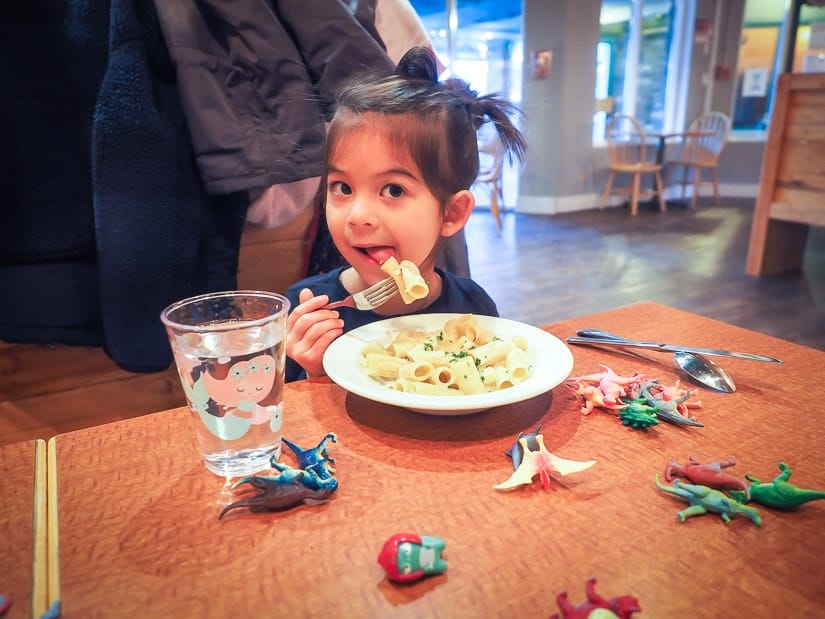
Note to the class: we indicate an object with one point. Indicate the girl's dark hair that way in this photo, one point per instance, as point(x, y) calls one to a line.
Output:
point(440, 120)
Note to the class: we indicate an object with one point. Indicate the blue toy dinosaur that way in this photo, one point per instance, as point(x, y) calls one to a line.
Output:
point(312, 482)
point(316, 459)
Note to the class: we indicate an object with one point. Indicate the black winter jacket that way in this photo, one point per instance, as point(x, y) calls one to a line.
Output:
point(257, 79)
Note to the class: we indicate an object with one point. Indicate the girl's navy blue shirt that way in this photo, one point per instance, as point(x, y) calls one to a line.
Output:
point(459, 295)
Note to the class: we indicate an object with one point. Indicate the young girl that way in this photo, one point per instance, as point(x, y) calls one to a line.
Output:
point(401, 155)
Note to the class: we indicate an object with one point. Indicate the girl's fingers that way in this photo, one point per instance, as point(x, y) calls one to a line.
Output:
point(315, 355)
point(318, 330)
point(304, 314)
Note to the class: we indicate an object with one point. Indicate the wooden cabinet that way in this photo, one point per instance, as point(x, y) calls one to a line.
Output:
point(792, 183)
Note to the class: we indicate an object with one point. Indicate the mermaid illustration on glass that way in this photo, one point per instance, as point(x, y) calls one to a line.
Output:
point(227, 393)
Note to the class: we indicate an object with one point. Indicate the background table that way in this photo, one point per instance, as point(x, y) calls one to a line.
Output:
point(140, 534)
point(663, 136)
point(16, 525)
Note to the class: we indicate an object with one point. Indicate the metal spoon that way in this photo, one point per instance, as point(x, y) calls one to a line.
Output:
point(698, 367)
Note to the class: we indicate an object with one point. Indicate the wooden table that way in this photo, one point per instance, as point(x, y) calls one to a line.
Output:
point(17, 487)
point(663, 136)
point(140, 535)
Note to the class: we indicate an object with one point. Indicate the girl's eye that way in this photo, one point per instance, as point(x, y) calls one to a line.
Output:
point(340, 188)
point(392, 191)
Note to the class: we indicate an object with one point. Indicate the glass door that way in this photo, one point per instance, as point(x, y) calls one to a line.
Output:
point(481, 43)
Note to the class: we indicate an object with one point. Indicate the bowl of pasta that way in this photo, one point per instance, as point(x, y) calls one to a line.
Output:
point(448, 364)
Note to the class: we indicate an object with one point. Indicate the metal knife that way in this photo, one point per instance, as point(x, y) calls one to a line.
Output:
point(595, 336)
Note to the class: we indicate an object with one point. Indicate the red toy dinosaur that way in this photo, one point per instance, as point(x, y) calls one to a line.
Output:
point(709, 474)
point(622, 606)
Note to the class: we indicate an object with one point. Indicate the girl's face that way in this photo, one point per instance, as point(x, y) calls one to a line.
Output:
point(379, 206)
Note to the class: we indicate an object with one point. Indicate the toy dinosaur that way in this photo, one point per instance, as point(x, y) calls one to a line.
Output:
point(779, 494)
point(516, 452)
point(313, 482)
point(288, 475)
point(407, 557)
point(673, 392)
point(593, 398)
point(5, 603)
point(703, 500)
point(276, 495)
point(667, 409)
point(612, 386)
point(315, 458)
point(622, 606)
point(638, 415)
point(541, 462)
point(709, 474)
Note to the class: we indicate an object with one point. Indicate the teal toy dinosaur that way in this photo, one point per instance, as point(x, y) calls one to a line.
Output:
point(779, 494)
point(703, 500)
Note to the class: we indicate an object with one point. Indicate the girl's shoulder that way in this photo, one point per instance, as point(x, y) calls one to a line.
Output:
point(463, 295)
point(322, 283)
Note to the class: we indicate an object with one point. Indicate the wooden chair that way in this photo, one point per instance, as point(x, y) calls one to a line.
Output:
point(491, 163)
point(704, 142)
point(627, 148)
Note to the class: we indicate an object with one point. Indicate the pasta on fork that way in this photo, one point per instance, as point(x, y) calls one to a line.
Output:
point(462, 358)
point(411, 285)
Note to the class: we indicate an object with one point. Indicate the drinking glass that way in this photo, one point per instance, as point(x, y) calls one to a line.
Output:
point(229, 350)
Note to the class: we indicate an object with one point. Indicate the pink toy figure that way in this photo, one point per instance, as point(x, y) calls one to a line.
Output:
point(622, 606)
point(674, 392)
point(593, 397)
point(613, 386)
point(706, 474)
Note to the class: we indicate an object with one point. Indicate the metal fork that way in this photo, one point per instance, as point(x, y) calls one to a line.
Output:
point(369, 298)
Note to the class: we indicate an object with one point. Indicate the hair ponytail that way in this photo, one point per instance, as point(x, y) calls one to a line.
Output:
point(500, 112)
point(419, 63)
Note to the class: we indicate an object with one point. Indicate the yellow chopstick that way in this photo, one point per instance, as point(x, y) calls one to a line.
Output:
point(54, 531)
point(40, 559)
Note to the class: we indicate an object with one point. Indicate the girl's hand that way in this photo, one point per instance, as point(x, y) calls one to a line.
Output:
point(310, 330)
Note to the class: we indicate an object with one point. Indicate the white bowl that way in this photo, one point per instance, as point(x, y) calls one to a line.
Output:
point(551, 359)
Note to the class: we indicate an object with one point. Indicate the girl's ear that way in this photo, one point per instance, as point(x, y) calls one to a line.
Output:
point(458, 211)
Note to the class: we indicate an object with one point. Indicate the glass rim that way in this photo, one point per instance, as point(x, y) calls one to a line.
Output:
point(164, 315)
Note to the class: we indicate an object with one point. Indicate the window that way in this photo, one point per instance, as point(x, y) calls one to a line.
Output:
point(761, 57)
point(486, 51)
point(633, 57)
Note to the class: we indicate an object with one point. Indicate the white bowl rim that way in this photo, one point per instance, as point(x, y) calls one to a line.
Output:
point(343, 363)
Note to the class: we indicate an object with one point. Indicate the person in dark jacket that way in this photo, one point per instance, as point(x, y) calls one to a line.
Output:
point(401, 155)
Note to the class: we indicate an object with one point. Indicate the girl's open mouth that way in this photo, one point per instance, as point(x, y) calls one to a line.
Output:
point(378, 253)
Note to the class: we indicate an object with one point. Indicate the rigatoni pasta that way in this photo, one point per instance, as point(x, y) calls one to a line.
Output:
point(462, 358)
point(411, 285)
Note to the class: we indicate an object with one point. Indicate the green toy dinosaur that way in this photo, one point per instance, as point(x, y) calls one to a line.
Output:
point(703, 500)
point(779, 494)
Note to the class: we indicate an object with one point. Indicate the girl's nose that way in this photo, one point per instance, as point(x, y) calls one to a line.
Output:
point(361, 212)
